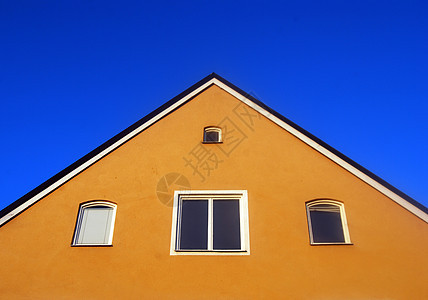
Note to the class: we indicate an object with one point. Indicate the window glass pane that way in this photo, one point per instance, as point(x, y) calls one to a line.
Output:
point(226, 225)
point(211, 136)
point(326, 224)
point(194, 225)
point(95, 228)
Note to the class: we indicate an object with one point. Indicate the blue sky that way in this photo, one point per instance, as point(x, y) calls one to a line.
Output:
point(75, 73)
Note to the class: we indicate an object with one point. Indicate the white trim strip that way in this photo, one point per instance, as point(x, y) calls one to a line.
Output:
point(94, 159)
point(370, 181)
point(399, 200)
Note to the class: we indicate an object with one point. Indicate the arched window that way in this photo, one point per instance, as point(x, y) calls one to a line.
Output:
point(212, 135)
point(95, 224)
point(327, 222)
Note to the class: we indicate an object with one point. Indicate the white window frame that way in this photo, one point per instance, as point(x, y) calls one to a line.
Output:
point(213, 129)
point(78, 226)
point(342, 217)
point(211, 195)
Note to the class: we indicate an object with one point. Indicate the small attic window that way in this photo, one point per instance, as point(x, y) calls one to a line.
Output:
point(212, 135)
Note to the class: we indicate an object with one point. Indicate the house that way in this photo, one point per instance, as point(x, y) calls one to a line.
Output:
point(214, 196)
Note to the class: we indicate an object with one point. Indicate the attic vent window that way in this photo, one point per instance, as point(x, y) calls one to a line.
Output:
point(95, 224)
point(210, 222)
point(212, 135)
point(327, 222)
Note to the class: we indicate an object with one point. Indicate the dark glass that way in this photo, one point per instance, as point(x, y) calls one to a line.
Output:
point(211, 136)
point(226, 225)
point(194, 225)
point(326, 224)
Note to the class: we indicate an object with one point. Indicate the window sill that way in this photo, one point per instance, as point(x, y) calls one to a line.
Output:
point(92, 245)
point(228, 252)
point(331, 244)
point(212, 142)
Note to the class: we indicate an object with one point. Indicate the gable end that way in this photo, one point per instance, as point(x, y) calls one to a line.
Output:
point(86, 161)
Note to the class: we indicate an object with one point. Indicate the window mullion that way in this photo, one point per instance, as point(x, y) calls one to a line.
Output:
point(210, 224)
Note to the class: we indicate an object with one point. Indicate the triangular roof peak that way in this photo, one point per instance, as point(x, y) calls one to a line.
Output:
point(59, 179)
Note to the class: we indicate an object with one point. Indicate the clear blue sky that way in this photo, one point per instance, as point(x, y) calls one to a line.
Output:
point(75, 73)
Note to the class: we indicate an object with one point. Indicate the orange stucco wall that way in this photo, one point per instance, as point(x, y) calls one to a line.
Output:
point(386, 261)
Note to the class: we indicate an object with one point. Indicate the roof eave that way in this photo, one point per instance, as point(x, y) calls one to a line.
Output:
point(12, 210)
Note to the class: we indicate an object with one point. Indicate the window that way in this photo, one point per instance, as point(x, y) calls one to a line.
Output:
point(210, 222)
point(212, 135)
point(327, 222)
point(95, 224)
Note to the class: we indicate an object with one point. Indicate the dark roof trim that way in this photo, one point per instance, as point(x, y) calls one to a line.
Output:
point(167, 105)
point(99, 149)
point(325, 145)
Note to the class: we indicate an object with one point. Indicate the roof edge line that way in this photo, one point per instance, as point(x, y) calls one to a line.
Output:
point(329, 154)
point(53, 186)
point(86, 161)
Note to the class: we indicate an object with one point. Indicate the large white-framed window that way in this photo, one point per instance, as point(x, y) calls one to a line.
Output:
point(210, 223)
point(327, 222)
point(95, 224)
